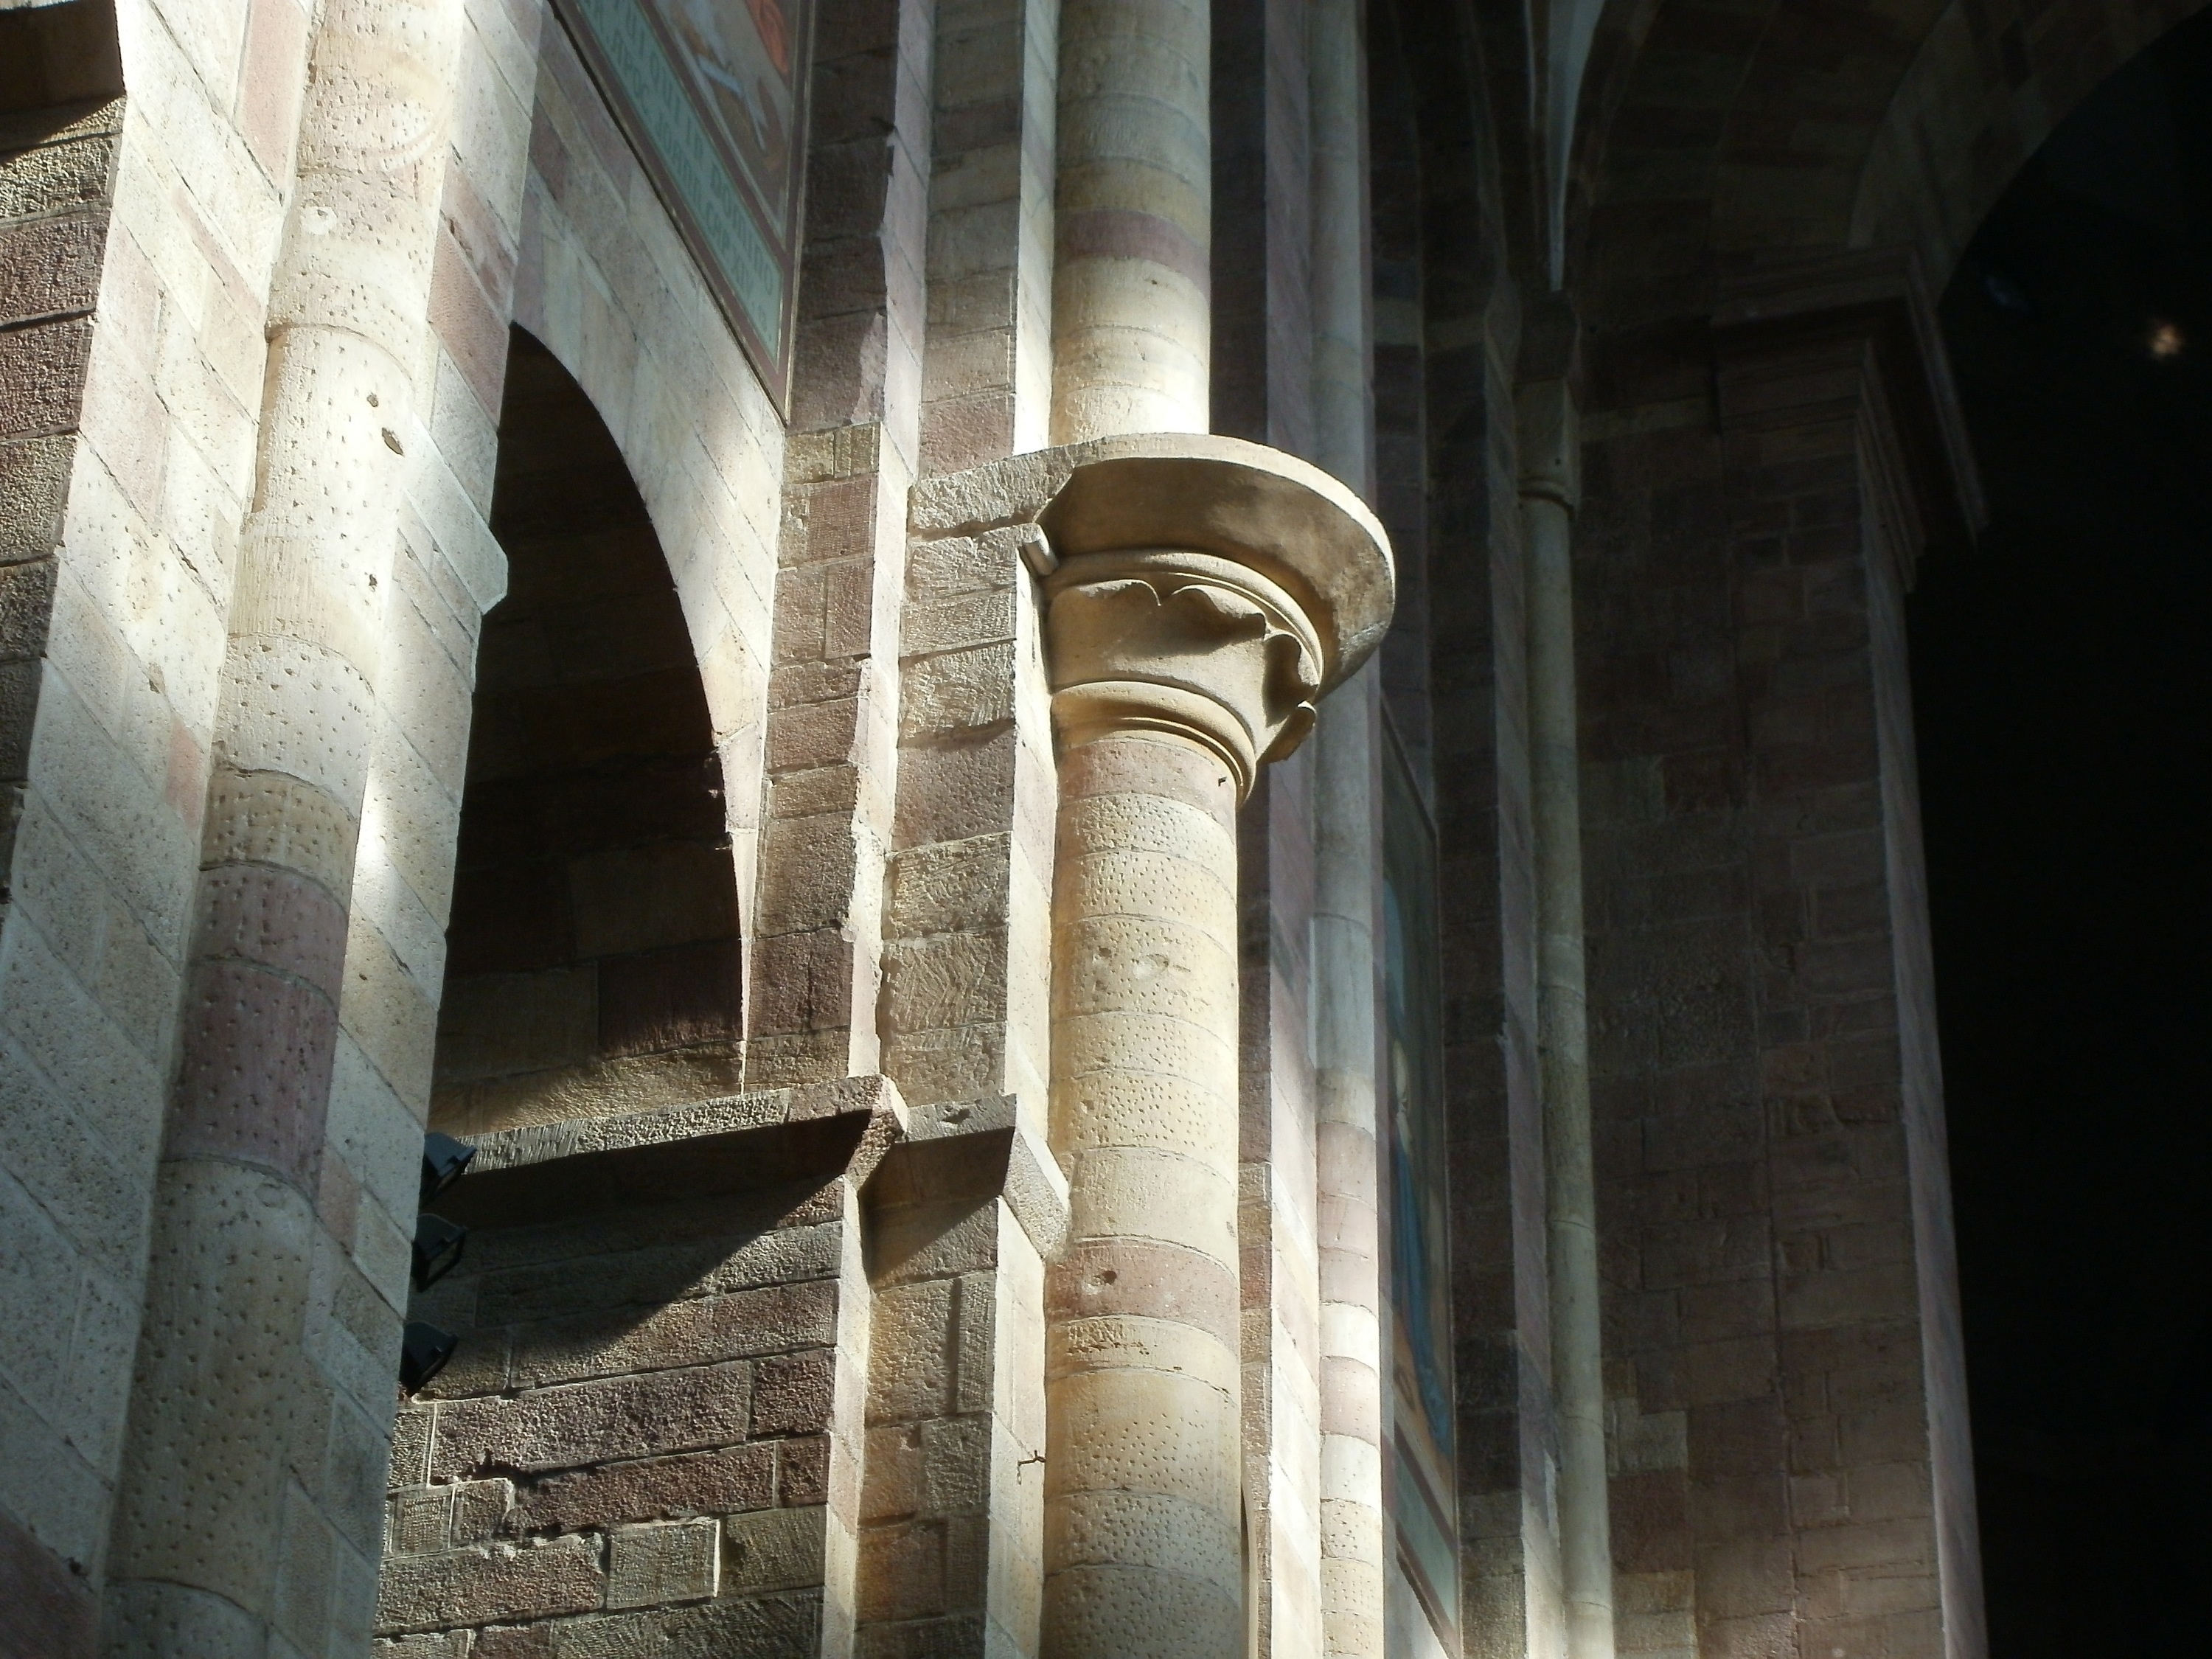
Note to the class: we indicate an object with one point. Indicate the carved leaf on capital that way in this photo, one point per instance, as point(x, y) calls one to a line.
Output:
point(1182, 630)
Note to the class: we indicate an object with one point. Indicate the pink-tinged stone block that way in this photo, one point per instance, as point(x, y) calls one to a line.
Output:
point(256, 1080)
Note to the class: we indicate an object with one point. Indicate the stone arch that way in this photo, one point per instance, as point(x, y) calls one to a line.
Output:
point(1986, 89)
point(604, 283)
point(1710, 134)
point(593, 954)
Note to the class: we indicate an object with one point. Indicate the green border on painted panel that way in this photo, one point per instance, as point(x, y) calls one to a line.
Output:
point(742, 228)
point(1424, 1455)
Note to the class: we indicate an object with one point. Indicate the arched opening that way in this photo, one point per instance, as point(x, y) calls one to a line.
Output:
point(592, 959)
point(2063, 699)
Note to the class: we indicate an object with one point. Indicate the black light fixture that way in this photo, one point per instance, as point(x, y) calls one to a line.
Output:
point(438, 1244)
point(445, 1160)
point(424, 1351)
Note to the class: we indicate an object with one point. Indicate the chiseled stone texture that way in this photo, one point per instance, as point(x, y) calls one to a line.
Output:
point(130, 363)
point(967, 952)
point(832, 725)
point(1143, 1502)
point(987, 367)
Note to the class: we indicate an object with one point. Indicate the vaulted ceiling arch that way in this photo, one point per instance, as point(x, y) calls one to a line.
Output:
point(1713, 131)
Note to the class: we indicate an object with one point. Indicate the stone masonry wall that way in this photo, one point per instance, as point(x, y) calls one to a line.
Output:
point(647, 1441)
point(1449, 327)
point(604, 283)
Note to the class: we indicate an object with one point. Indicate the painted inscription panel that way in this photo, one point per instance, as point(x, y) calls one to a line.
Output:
point(712, 95)
point(1422, 1459)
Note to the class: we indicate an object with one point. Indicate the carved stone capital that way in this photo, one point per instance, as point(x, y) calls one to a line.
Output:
point(1206, 587)
point(1162, 640)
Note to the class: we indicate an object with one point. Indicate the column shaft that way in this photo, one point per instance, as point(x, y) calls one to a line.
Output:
point(1143, 1513)
point(222, 1461)
point(1347, 854)
point(1132, 316)
point(1143, 1519)
point(1549, 443)
point(1343, 377)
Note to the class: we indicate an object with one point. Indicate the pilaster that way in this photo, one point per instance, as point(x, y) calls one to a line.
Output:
point(1790, 1442)
point(816, 935)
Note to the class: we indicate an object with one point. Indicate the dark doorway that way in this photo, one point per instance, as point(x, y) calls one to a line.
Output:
point(592, 959)
point(2062, 678)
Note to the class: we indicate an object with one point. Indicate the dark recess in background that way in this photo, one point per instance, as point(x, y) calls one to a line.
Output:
point(2062, 677)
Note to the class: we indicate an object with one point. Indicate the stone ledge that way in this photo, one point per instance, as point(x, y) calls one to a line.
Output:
point(975, 1149)
point(731, 1144)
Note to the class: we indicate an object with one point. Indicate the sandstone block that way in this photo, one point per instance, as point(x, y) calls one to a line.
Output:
point(42, 377)
point(421, 1520)
point(590, 1422)
point(498, 1584)
point(954, 624)
point(515, 1642)
point(649, 1565)
point(597, 1272)
point(773, 1549)
point(56, 177)
point(641, 899)
point(759, 1627)
point(443, 1644)
point(802, 1471)
point(480, 1509)
point(911, 1358)
point(958, 690)
point(33, 485)
point(957, 886)
point(692, 1332)
point(733, 1478)
point(953, 980)
point(793, 1394)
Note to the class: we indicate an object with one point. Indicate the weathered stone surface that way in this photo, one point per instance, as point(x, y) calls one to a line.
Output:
point(488, 1585)
point(652, 1565)
point(650, 1488)
point(590, 1422)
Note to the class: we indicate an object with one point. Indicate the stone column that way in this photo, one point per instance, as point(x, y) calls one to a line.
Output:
point(1132, 319)
point(1207, 592)
point(1348, 861)
point(221, 1469)
point(1347, 858)
point(1550, 490)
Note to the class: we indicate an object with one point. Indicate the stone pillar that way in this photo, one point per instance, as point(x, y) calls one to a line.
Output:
point(1551, 484)
point(1131, 284)
point(1347, 856)
point(1797, 1459)
point(815, 949)
point(1207, 592)
point(221, 1469)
